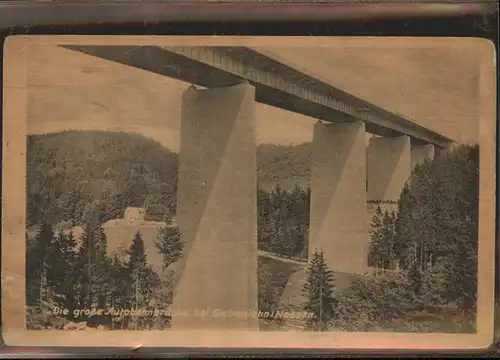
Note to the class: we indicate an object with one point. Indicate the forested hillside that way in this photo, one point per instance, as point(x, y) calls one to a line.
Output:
point(433, 241)
point(288, 166)
point(71, 172)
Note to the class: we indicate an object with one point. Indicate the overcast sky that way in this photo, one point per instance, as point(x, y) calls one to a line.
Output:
point(434, 86)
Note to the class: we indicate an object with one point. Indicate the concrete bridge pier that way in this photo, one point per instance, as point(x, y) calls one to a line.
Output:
point(338, 196)
point(420, 153)
point(388, 169)
point(217, 213)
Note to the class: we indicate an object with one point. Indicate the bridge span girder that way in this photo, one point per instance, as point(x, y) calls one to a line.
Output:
point(276, 84)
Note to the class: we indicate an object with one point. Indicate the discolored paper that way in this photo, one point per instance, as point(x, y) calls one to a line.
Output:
point(258, 192)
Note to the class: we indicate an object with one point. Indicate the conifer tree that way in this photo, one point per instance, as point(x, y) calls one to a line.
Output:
point(93, 265)
point(101, 267)
point(263, 211)
point(405, 247)
point(32, 272)
point(382, 238)
point(69, 209)
point(144, 279)
point(278, 239)
point(137, 251)
point(36, 264)
point(416, 279)
point(276, 196)
point(119, 288)
point(283, 221)
point(319, 291)
point(389, 234)
point(437, 222)
point(375, 254)
point(169, 244)
point(60, 270)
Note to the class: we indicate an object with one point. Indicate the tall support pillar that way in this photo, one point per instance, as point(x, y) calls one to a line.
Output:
point(388, 169)
point(217, 211)
point(420, 153)
point(338, 196)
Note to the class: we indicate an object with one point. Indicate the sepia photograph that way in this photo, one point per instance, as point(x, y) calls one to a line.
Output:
point(248, 191)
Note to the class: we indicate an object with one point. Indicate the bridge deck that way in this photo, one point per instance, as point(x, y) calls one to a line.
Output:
point(276, 84)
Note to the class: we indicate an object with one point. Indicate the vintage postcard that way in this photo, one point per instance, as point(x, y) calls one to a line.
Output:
point(261, 192)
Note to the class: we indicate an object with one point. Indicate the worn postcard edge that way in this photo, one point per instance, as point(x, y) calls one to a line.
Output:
point(16, 53)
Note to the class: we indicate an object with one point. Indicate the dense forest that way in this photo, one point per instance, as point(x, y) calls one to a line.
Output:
point(285, 166)
point(62, 274)
point(87, 178)
point(283, 221)
point(426, 250)
point(70, 172)
point(74, 174)
point(426, 254)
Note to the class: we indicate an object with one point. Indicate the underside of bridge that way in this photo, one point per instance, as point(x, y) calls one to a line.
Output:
point(217, 169)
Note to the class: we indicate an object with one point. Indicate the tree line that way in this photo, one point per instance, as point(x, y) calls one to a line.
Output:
point(430, 247)
point(75, 174)
point(64, 273)
point(435, 225)
point(283, 221)
point(68, 171)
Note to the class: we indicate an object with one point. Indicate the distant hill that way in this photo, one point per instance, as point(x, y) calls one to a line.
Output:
point(286, 165)
point(72, 173)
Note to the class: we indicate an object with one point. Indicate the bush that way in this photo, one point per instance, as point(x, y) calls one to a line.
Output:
point(41, 317)
point(410, 301)
point(373, 302)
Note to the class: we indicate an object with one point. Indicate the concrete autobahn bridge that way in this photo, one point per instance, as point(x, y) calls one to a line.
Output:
point(217, 186)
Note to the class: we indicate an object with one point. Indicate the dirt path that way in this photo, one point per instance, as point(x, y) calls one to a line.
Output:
point(284, 259)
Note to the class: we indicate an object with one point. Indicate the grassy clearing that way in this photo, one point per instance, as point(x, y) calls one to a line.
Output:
point(280, 272)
